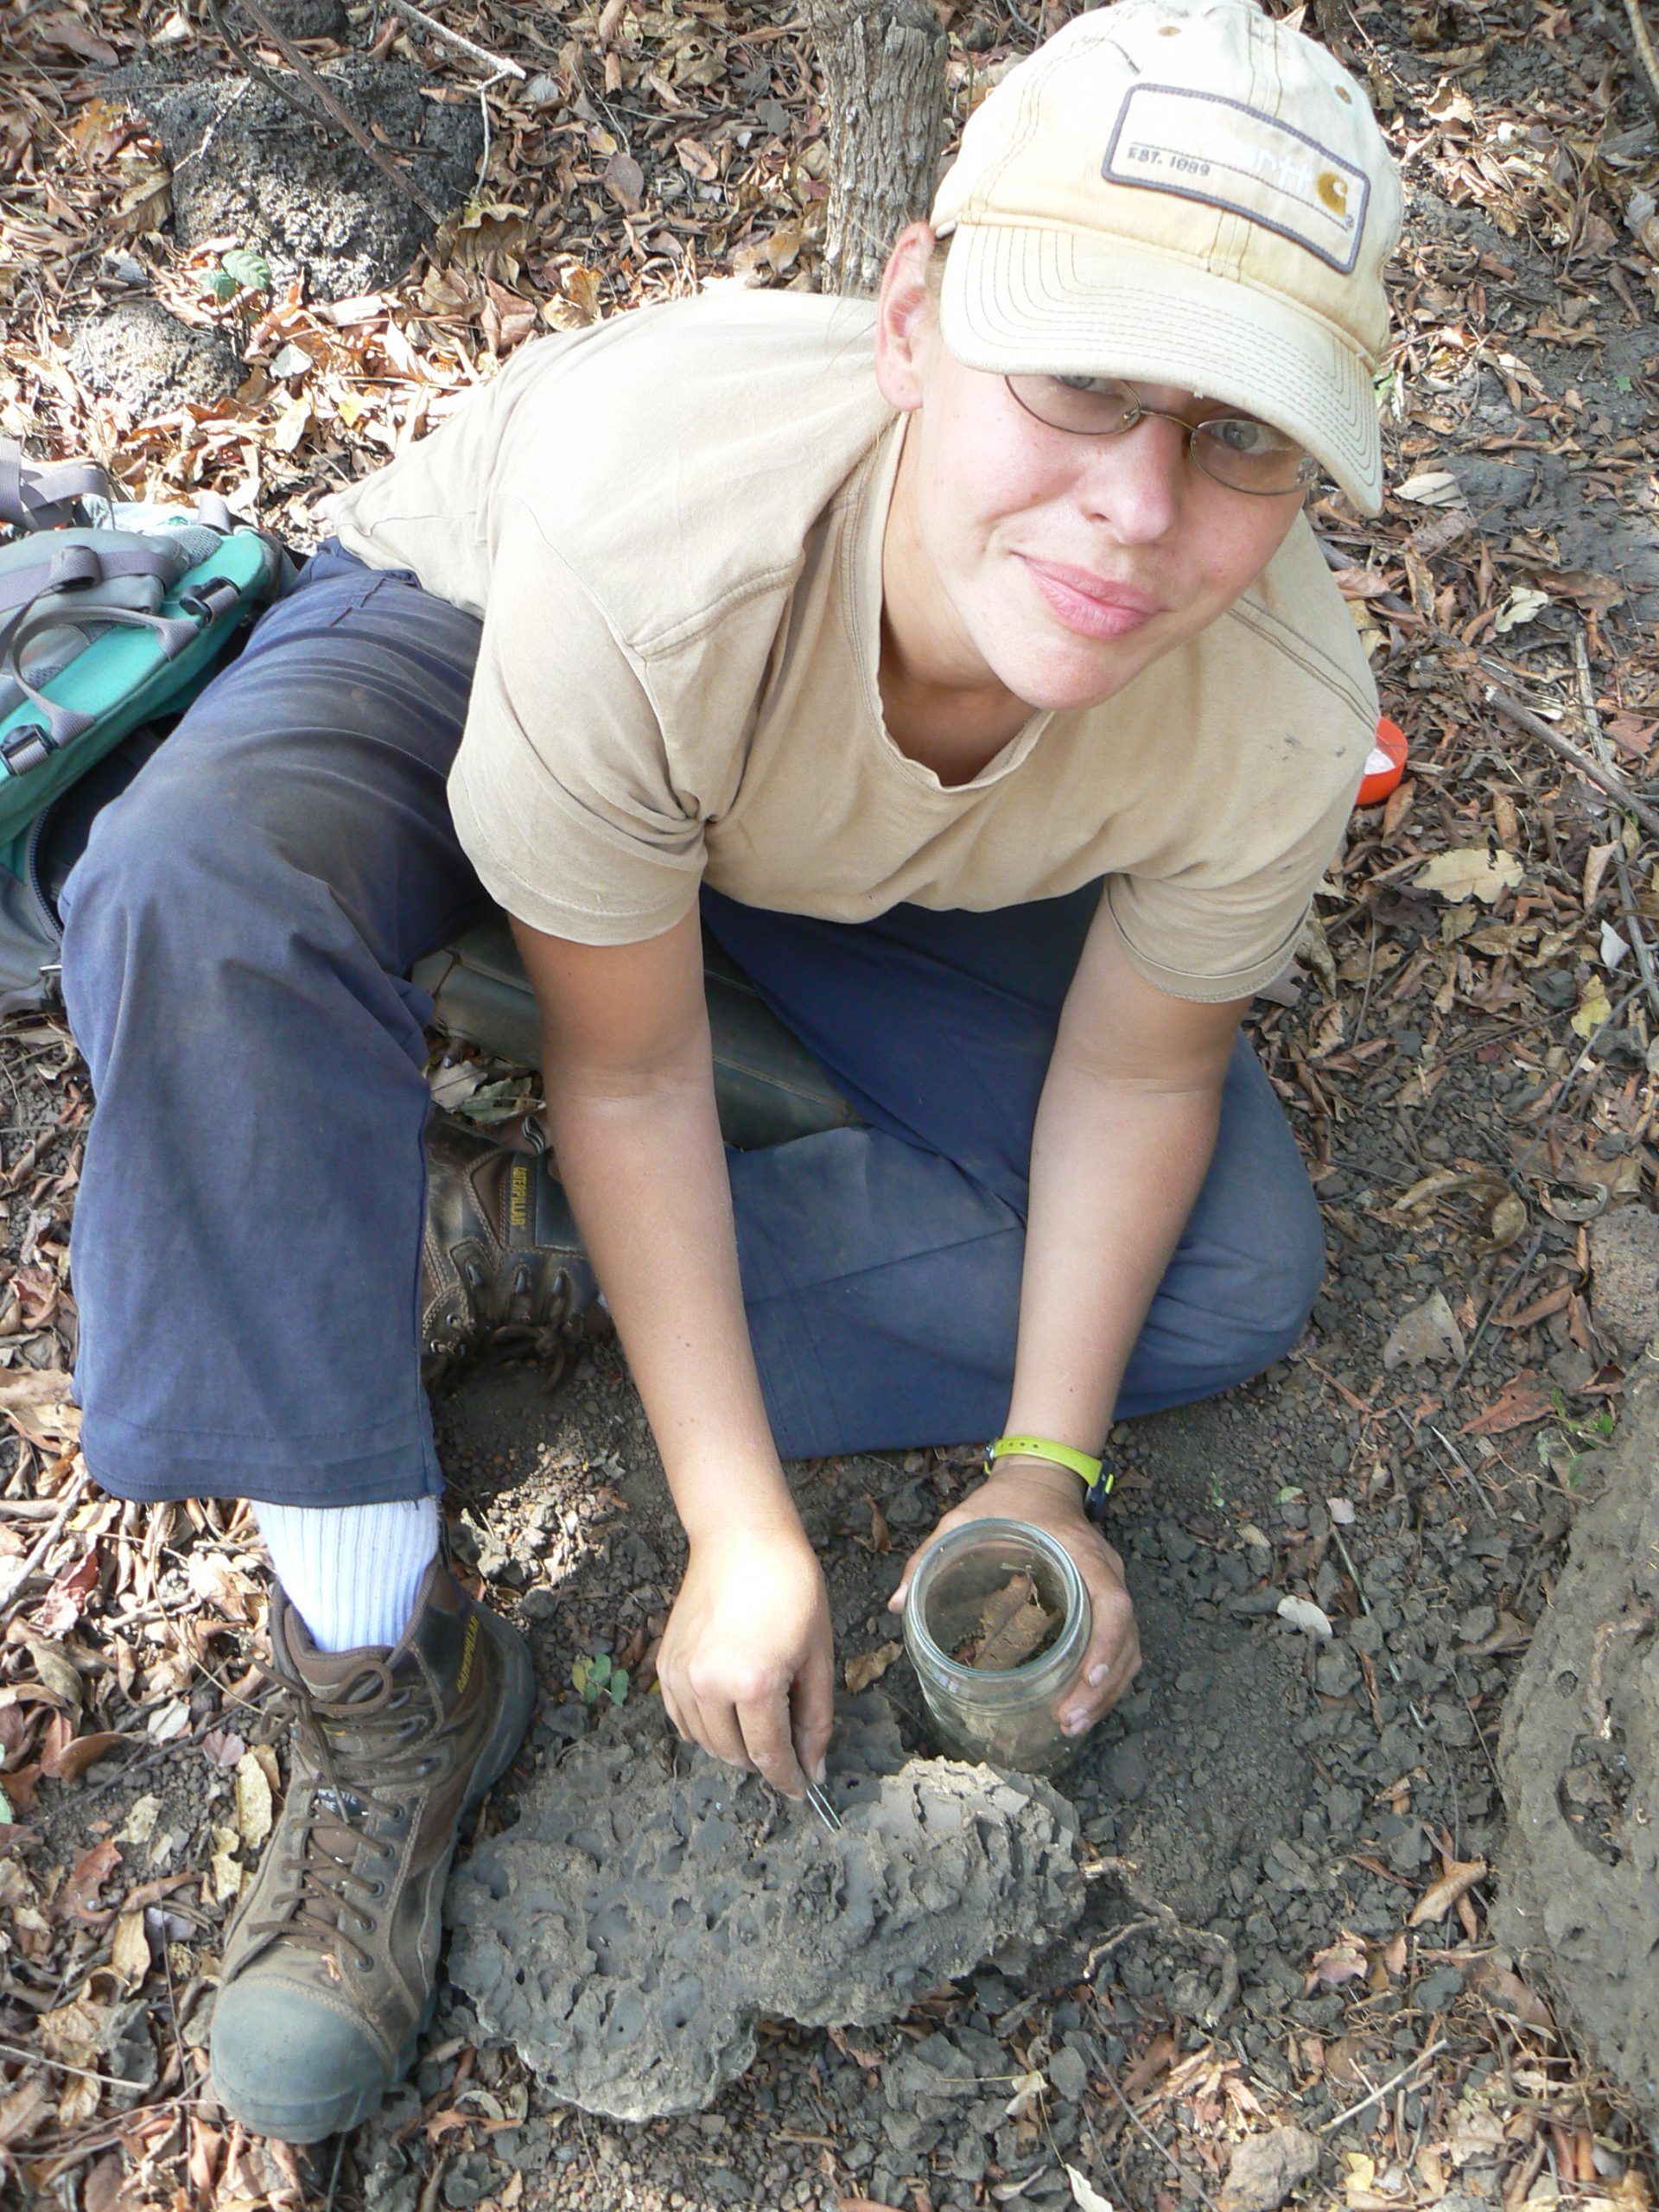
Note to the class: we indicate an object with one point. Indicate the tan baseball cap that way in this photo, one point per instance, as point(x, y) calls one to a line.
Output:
point(1186, 192)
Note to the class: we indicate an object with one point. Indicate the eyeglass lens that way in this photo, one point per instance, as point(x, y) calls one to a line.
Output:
point(1237, 450)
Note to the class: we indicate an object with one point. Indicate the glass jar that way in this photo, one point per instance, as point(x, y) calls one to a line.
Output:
point(1003, 1715)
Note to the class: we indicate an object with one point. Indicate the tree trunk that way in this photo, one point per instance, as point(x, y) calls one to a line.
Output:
point(884, 109)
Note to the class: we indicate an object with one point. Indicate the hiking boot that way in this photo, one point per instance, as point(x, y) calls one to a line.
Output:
point(329, 1967)
point(501, 1261)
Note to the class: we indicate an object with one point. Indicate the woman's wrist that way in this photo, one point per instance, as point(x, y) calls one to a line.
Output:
point(1037, 1479)
point(734, 1497)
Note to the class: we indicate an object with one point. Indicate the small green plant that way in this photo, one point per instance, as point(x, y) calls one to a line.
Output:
point(1564, 1449)
point(241, 270)
point(599, 1676)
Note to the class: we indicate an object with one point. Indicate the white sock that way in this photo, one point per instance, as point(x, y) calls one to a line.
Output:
point(352, 1572)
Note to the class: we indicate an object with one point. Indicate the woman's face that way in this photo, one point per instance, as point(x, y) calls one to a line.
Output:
point(1053, 566)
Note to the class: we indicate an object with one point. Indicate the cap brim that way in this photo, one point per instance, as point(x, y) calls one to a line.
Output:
point(1029, 298)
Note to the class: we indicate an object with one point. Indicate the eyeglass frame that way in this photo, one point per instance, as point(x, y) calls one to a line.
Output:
point(1307, 476)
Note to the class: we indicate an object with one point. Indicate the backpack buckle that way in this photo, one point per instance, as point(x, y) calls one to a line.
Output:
point(25, 748)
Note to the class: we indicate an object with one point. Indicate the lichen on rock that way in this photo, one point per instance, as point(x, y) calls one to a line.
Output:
point(651, 1904)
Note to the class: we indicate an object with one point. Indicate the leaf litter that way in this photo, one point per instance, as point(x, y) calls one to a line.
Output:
point(1472, 1024)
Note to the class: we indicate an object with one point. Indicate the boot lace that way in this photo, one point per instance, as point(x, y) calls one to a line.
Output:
point(370, 1750)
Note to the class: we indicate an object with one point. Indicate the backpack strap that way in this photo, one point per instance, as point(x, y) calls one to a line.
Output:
point(27, 748)
point(33, 498)
point(54, 566)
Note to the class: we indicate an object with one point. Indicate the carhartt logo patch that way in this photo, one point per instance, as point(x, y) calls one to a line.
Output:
point(1203, 146)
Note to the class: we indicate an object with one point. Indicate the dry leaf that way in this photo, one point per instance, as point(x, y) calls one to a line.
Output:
point(130, 1953)
point(253, 1801)
point(1470, 872)
point(1595, 1012)
point(1428, 1332)
point(1522, 1400)
point(1439, 1899)
point(1027, 2102)
point(1266, 2168)
point(1506, 1992)
point(1508, 1223)
point(59, 1675)
point(1014, 1623)
point(1085, 2194)
point(1303, 1613)
point(625, 181)
point(1337, 1963)
point(225, 1873)
point(82, 1752)
point(869, 1667)
point(92, 1870)
point(1523, 604)
point(1434, 488)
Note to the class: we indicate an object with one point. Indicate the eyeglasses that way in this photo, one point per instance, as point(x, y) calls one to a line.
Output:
point(1237, 450)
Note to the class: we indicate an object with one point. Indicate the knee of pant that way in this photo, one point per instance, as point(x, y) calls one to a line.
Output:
point(165, 873)
point(1284, 1282)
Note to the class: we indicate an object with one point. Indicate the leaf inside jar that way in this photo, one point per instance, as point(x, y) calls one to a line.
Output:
point(1014, 1626)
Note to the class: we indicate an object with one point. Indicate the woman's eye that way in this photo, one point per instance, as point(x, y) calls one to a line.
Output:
point(1094, 387)
point(1239, 434)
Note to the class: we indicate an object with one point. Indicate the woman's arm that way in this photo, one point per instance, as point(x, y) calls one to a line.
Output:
point(746, 1664)
point(1123, 1137)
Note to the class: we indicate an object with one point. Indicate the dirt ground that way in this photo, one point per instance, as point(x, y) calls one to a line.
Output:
point(1290, 1837)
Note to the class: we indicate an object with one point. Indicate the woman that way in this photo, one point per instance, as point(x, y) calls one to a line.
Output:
point(996, 714)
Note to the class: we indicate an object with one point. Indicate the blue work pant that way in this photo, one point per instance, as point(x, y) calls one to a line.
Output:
point(247, 1240)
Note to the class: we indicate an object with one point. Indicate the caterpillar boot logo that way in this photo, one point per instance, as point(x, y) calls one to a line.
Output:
point(518, 1195)
point(468, 1649)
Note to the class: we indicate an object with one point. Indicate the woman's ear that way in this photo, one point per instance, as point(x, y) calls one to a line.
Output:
point(907, 319)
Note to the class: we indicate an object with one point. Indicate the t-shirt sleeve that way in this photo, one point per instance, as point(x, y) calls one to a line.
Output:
point(1208, 934)
point(563, 791)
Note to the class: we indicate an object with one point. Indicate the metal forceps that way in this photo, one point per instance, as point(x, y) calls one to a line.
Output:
point(825, 1811)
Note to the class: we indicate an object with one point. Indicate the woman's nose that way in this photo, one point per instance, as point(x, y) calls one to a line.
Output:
point(1135, 482)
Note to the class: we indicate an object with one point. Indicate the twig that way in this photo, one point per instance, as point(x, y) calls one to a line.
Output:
point(1639, 944)
point(497, 62)
point(61, 2066)
point(1606, 779)
point(71, 1499)
point(1498, 1297)
point(1629, 50)
point(302, 69)
point(1393, 2083)
point(1643, 47)
point(1188, 2180)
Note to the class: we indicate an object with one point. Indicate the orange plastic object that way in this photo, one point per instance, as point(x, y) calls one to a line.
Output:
point(1385, 765)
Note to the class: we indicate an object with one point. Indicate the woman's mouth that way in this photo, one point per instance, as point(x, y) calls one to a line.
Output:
point(1092, 606)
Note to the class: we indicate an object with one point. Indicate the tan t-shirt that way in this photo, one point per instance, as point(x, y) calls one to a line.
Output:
point(671, 526)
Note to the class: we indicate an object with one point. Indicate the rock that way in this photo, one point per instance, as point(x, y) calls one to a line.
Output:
point(1624, 1275)
point(149, 362)
point(247, 168)
point(651, 1904)
point(1068, 2074)
point(1126, 1772)
point(1578, 1761)
point(1266, 2168)
point(309, 18)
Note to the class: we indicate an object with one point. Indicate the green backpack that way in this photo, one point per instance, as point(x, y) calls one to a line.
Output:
point(112, 616)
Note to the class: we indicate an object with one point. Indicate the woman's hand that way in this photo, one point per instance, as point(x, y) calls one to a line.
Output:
point(1050, 1498)
point(747, 1660)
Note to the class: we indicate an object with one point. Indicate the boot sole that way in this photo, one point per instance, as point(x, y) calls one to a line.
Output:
point(314, 2122)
